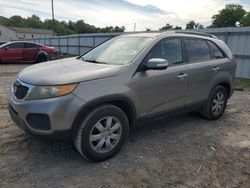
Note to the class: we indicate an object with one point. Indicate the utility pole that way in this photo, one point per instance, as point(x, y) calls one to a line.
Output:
point(134, 27)
point(53, 17)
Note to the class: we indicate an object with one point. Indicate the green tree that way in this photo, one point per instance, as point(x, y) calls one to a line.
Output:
point(3, 20)
point(166, 27)
point(82, 27)
point(16, 21)
point(190, 25)
point(177, 28)
point(118, 29)
point(34, 22)
point(59, 27)
point(193, 25)
point(72, 25)
point(170, 27)
point(105, 30)
point(229, 16)
point(245, 21)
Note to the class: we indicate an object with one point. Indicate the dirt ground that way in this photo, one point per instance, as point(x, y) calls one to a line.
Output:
point(184, 151)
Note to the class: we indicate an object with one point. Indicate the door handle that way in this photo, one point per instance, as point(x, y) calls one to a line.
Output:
point(215, 69)
point(182, 75)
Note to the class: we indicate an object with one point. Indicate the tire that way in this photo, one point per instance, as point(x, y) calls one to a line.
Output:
point(105, 143)
point(216, 104)
point(41, 58)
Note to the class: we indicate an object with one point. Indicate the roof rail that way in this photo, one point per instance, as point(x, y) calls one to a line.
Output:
point(197, 33)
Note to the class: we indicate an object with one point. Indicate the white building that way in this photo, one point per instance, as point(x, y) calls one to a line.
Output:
point(7, 34)
point(15, 33)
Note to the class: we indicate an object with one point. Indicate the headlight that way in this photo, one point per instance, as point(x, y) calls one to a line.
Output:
point(45, 92)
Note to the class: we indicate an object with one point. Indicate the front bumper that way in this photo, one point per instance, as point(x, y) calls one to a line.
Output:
point(61, 112)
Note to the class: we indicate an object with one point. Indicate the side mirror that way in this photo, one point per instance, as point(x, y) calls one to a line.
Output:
point(6, 48)
point(156, 64)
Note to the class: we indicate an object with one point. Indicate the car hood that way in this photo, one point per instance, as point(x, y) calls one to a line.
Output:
point(65, 71)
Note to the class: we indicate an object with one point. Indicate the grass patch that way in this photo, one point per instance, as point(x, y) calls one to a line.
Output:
point(242, 83)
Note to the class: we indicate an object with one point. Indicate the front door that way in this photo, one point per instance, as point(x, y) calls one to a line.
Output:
point(162, 90)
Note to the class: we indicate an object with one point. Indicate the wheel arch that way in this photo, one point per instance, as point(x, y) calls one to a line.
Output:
point(122, 102)
point(41, 54)
point(227, 86)
point(223, 79)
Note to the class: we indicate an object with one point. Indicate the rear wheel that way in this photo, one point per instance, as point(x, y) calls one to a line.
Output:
point(102, 133)
point(216, 104)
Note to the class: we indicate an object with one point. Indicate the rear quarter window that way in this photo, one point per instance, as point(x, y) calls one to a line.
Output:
point(31, 45)
point(197, 50)
point(225, 49)
point(216, 52)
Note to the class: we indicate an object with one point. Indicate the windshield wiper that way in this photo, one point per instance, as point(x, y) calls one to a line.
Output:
point(93, 61)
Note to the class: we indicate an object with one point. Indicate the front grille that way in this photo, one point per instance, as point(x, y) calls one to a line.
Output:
point(19, 90)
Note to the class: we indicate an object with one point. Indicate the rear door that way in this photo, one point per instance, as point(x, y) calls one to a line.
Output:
point(204, 60)
point(12, 52)
point(30, 51)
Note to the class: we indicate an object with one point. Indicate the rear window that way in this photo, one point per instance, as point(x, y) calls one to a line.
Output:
point(197, 50)
point(216, 52)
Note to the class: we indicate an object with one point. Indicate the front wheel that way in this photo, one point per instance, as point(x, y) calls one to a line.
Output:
point(101, 134)
point(42, 58)
point(216, 103)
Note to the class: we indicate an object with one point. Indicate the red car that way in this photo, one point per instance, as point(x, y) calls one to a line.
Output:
point(22, 51)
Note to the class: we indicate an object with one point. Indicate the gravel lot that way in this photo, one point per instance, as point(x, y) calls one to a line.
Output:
point(184, 151)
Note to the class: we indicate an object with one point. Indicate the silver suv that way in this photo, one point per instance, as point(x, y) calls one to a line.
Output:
point(98, 98)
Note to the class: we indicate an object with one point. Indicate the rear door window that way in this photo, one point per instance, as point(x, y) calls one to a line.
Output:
point(216, 52)
point(197, 50)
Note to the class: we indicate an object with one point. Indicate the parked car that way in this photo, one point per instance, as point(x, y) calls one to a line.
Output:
point(2, 42)
point(99, 97)
point(22, 51)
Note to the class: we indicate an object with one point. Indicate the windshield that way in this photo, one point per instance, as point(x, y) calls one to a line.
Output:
point(117, 51)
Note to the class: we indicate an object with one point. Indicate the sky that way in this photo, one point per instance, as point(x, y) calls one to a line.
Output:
point(151, 14)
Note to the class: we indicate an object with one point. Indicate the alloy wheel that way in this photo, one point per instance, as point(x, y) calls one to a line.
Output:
point(105, 134)
point(218, 103)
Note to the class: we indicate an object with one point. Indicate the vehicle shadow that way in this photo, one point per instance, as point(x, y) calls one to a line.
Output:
point(174, 145)
point(56, 151)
